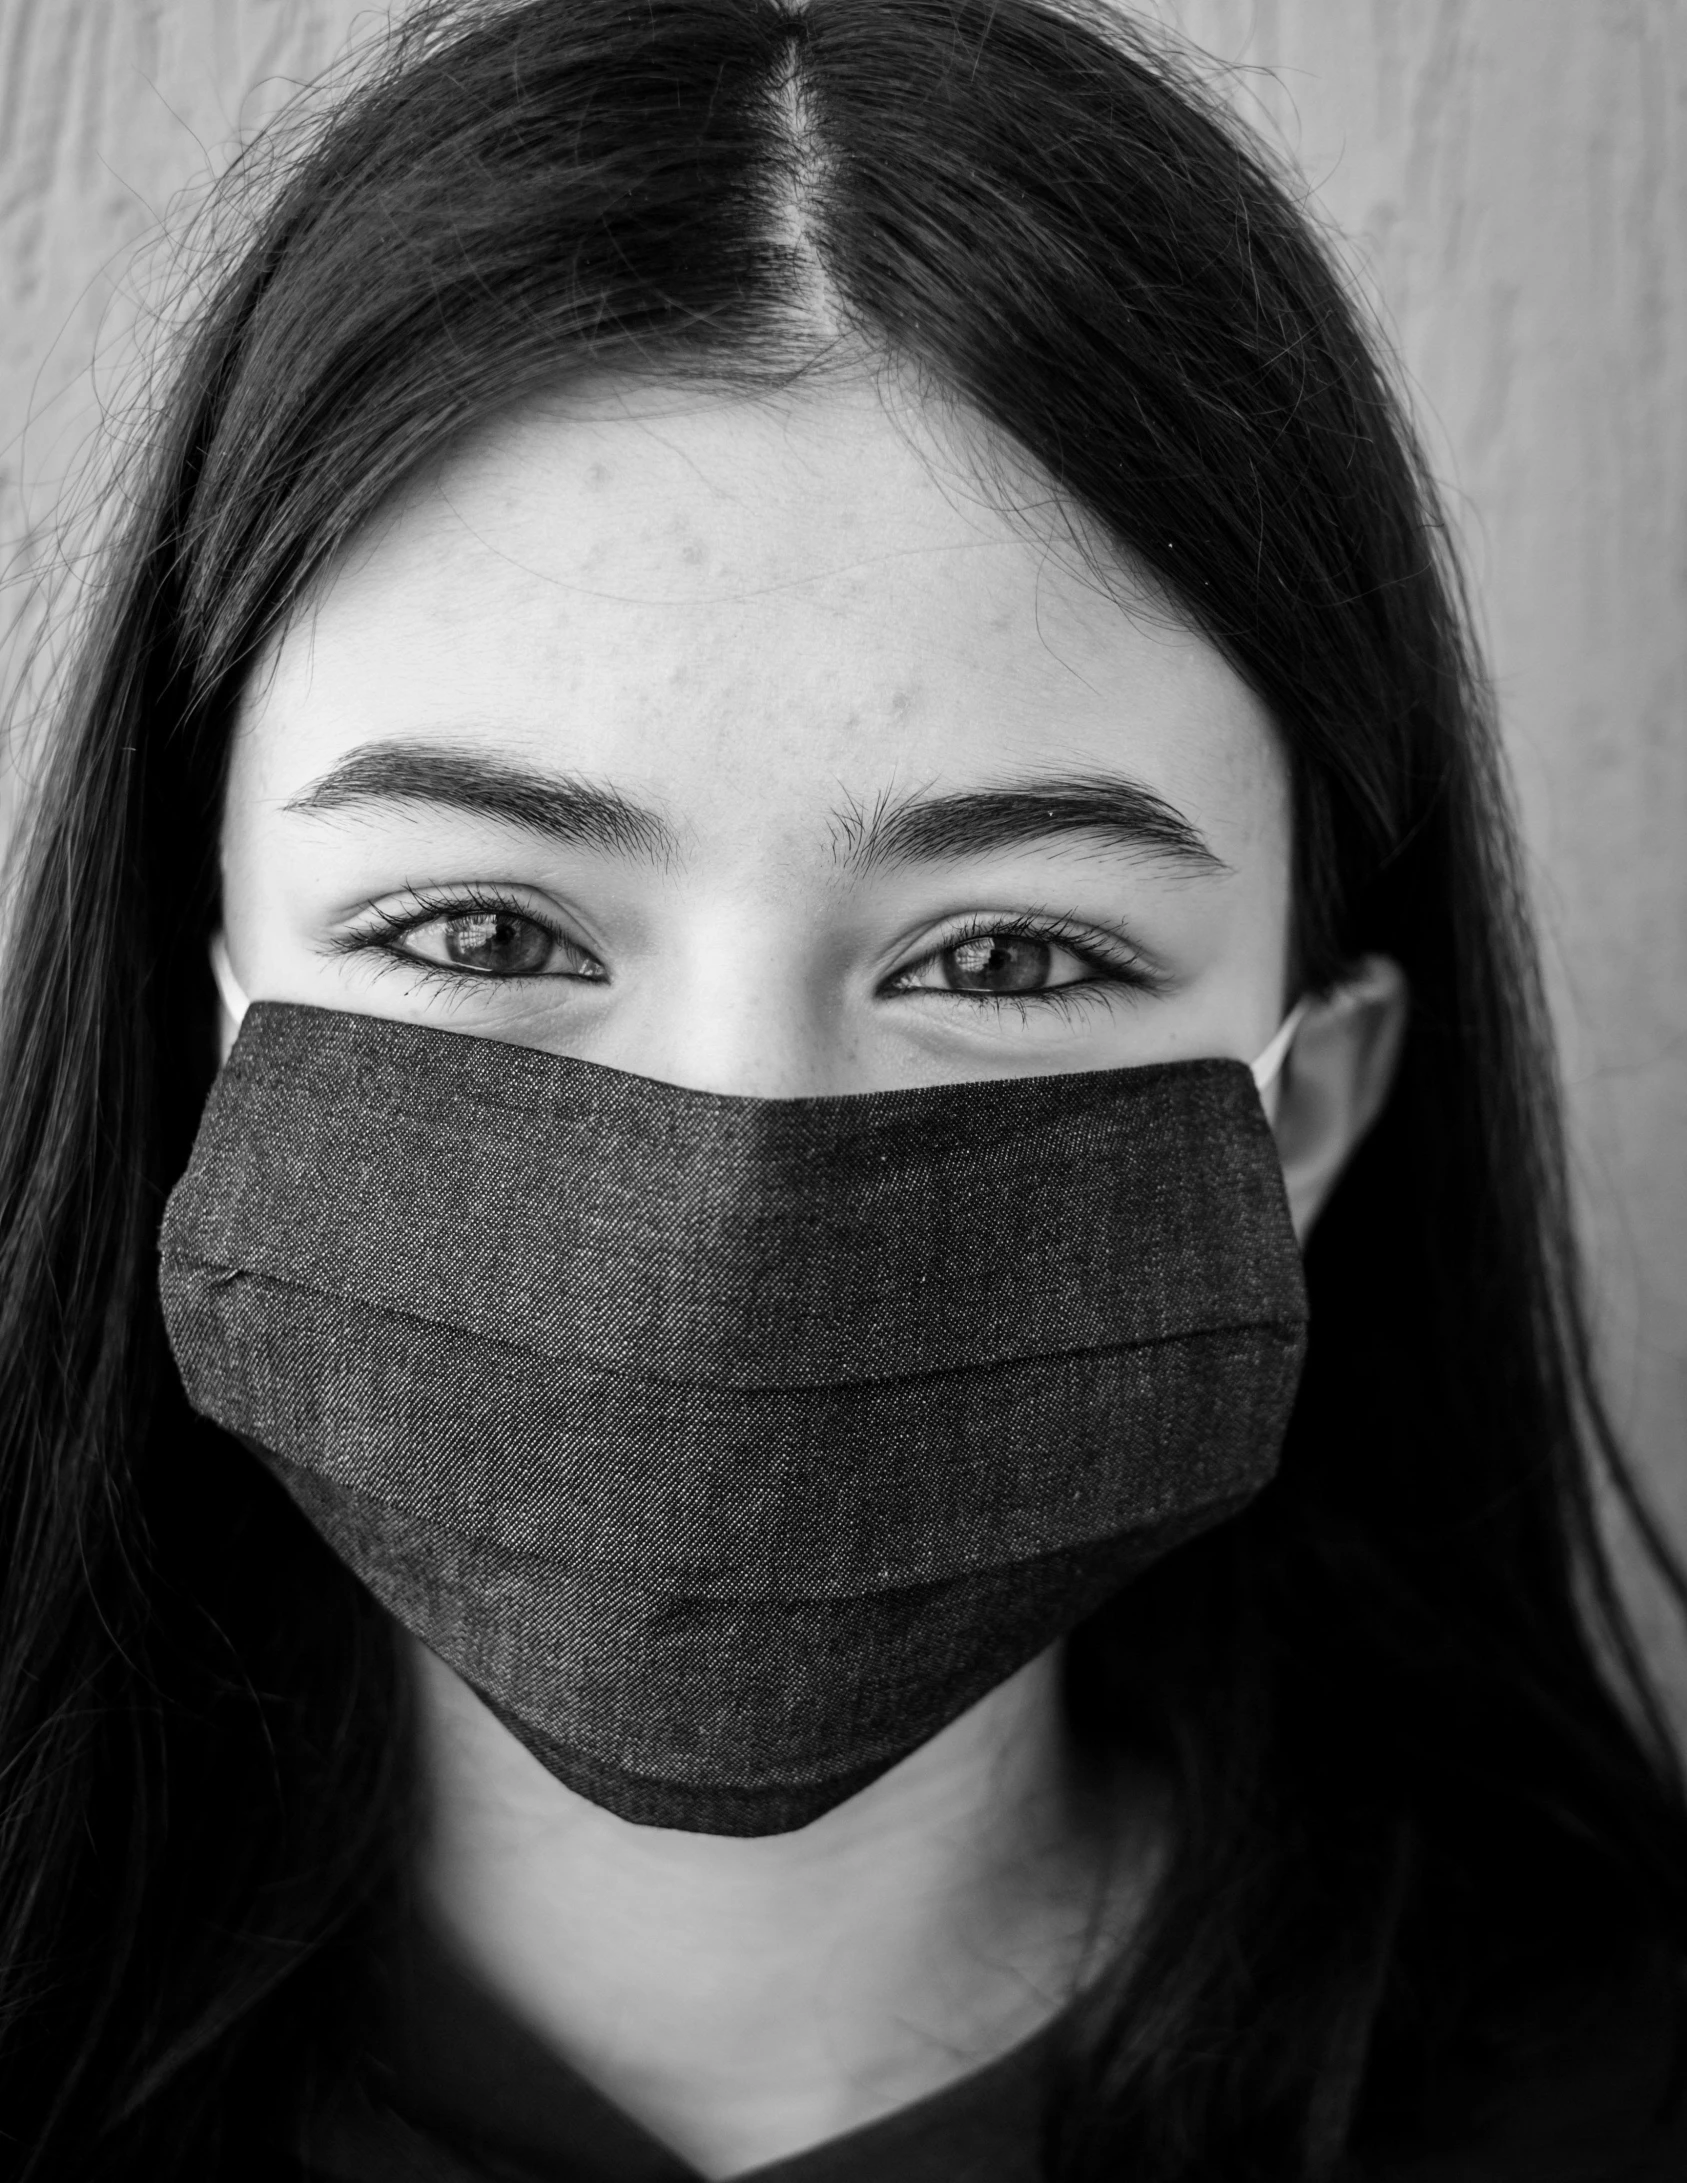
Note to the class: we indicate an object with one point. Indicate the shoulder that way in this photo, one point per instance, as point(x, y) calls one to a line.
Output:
point(1591, 2089)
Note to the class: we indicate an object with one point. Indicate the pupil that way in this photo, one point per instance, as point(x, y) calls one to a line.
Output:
point(497, 940)
point(997, 963)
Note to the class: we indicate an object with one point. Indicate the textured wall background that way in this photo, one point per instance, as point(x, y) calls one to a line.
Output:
point(1512, 176)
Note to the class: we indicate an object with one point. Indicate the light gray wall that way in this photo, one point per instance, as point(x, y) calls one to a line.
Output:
point(1513, 176)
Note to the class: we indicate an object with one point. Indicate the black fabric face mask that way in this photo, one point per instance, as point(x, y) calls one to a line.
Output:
point(729, 1448)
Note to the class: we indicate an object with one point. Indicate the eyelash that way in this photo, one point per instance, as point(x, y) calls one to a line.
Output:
point(385, 927)
point(425, 906)
point(1123, 969)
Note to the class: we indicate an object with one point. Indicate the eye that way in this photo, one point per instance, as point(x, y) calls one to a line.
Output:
point(494, 941)
point(1008, 962)
point(998, 962)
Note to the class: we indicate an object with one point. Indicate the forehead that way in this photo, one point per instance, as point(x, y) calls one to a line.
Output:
point(754, 604)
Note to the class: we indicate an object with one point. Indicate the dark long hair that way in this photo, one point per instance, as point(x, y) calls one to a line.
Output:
point(1398, 1701)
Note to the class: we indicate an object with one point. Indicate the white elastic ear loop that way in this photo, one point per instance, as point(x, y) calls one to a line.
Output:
point(1266, 1068)
point(232, 997)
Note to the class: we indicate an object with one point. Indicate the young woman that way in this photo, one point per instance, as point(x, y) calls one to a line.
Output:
point(784, 692)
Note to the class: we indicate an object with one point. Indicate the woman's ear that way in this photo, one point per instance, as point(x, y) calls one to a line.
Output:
point(1336, 1079)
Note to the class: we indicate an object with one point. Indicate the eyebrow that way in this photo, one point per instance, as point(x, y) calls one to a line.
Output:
point(896, 831)
point(1113, 809)
point(557, 807)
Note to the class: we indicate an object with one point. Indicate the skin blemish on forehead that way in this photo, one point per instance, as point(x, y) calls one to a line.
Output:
point(873, 710)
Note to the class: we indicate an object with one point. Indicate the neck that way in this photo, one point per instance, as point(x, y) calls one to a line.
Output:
point(746, 1998)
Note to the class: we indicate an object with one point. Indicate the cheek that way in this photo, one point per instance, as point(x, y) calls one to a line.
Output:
point(254, 861)
point(240, 854)
point(284, 733)
point(1252, 927)
point(1249, 790)
point(1271, 847)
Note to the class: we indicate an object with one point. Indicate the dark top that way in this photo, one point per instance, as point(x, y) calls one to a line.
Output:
point(465, 2095)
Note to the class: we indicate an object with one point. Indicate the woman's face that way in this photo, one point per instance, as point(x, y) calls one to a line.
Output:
point(745, 743)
